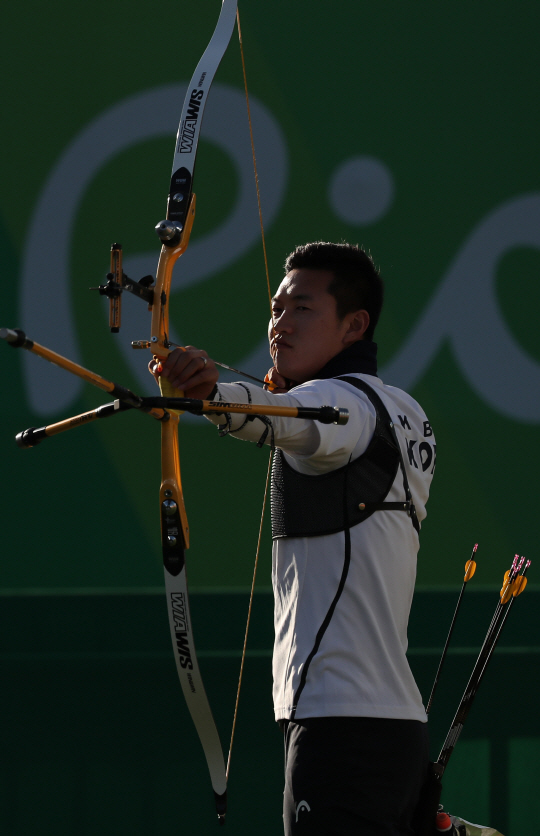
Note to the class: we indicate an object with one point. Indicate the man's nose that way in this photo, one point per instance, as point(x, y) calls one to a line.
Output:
point(283, 324)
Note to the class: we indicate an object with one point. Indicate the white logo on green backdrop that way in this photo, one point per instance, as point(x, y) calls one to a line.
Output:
point(463, 310)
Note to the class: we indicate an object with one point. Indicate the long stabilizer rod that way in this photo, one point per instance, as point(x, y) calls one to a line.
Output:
point(34, 435)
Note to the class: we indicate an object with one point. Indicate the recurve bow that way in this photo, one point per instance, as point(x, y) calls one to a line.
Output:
point(174, 233)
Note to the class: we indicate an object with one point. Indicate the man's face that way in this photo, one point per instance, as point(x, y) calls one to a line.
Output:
point(308, 332)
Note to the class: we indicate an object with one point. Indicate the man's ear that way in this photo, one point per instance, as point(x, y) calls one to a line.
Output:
point(358, 325)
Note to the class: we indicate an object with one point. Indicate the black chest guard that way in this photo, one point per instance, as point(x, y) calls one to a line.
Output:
point(308, 506)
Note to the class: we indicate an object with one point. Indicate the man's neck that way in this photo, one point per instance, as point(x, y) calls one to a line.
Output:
point(359, 358)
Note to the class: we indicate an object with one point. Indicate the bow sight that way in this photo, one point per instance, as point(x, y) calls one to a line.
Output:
point(117, 282)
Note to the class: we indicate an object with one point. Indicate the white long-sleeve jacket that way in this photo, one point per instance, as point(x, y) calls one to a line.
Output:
point(360, 668)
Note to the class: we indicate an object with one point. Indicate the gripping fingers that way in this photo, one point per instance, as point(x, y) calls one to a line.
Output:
point(191, 370)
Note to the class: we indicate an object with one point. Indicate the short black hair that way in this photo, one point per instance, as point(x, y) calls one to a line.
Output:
point(356, 284)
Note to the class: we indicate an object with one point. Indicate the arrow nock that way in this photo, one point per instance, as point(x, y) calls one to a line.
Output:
point(514, 579)
point(521, 581)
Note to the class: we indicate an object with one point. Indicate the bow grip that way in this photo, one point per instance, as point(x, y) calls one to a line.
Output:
point(168, 390)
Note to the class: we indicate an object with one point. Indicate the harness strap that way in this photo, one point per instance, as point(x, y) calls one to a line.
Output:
point(408, 505)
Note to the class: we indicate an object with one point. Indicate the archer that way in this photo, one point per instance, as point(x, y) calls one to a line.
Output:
point(347, 503)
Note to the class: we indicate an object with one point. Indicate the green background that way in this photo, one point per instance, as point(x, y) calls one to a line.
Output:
point(446, 95)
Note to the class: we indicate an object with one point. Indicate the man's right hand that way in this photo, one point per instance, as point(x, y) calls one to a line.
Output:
point(280, 384)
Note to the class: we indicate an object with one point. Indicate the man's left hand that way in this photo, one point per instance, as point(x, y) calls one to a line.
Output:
point(189, 369)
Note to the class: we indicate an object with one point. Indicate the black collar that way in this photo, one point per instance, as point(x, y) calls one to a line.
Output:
point(359, 358)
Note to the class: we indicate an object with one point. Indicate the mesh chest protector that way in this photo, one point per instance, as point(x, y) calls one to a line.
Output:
point(309, 506)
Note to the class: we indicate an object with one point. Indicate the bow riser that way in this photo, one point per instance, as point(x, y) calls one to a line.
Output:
point(174, 525)
point(159, 340)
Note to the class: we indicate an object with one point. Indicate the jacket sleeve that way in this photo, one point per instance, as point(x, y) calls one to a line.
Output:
point(315, 447)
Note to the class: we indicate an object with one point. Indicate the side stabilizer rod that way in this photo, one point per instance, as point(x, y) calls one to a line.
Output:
point(34, 435)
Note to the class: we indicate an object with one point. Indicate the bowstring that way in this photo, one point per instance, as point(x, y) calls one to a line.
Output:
point(257, 552)
point(254, 164)
point(248, 616)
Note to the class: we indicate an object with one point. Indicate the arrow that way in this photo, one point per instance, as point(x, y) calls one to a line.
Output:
point(470, 569)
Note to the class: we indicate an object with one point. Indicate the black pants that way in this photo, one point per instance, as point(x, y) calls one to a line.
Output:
point(353, 776)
